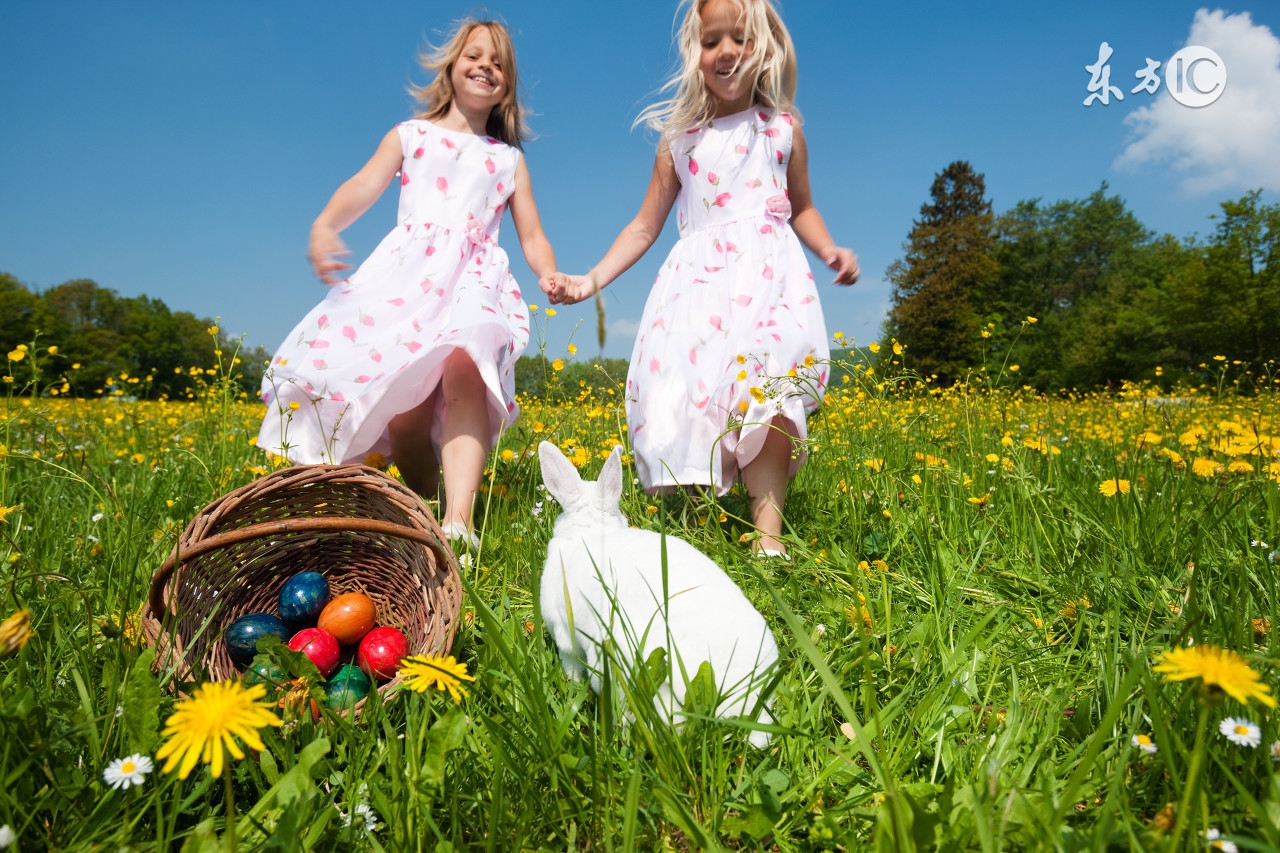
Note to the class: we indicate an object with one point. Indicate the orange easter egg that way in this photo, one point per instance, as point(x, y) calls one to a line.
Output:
point(348, 617)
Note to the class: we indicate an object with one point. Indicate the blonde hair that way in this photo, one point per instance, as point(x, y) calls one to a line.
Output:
point(771, 64)
point(506, 121)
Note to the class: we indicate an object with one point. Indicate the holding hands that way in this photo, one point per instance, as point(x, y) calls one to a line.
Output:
point(564, 289)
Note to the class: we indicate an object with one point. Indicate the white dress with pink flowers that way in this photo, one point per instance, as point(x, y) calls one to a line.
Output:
point(732, 335)
point(376, 345)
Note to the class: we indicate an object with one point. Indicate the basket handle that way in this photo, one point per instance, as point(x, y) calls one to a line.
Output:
point(270, 528)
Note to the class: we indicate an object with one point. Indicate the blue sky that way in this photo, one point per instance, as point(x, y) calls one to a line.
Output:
point(182, 150)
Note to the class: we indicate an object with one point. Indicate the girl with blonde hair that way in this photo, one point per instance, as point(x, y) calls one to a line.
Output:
point(731, 353)
point(413, 354)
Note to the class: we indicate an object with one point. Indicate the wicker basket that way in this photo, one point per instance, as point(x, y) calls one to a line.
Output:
point(361, 529)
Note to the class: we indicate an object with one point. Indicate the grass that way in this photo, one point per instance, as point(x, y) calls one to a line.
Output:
point(967, 630)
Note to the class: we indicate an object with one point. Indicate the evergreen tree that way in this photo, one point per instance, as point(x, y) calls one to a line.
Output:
point(939, 286)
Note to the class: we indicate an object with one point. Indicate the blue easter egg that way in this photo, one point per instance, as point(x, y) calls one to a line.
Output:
point(302, 598)
point(242, 635)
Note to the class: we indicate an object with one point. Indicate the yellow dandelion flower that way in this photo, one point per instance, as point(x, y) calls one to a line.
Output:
point(992, 458)
point(211, 720)
point(377, 460)
point(420, 674)
point(14, 633)
point(874, 464)
point(508, 455)
point(981, 500)
point(1205, 467)
point(1219, 670)
point(1110, 487)
point(1239, 466)
point(557, 364)
point(6, 510)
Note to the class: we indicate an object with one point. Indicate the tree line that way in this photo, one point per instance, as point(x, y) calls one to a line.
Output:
point(102, 340)
point(1111, 299)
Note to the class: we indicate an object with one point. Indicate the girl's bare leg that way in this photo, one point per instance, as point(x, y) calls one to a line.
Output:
point(766, 480)
point(465, 445)
point(411, 448)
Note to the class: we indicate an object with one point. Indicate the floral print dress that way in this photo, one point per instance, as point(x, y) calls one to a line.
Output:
point(732, 334)
point(376, 345)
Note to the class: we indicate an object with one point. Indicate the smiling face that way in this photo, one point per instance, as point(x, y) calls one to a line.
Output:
point(725, 50)
point(479, 82)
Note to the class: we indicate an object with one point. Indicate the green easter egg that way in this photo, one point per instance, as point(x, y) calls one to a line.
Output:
point(266, 673)
point(352, 676)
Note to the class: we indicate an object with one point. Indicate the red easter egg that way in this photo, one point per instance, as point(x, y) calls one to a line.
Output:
point(320, 646)
point(348, 617)
point(380, 652)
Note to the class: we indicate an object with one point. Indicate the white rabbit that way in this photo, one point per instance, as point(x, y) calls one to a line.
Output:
point(603, 579)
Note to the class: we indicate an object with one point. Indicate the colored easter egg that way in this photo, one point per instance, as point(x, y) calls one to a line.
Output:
point(319, 646)
point(266, 673)
point(351, 675)
point(380, 652)
point(345, 693)
point(302, 598)
point(348, 617)
point(242, 635)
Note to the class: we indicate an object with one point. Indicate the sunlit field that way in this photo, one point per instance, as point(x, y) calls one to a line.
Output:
point(999, 630)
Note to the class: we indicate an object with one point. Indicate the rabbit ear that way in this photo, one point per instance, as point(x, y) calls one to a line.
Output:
point(610, 483)
point(558, 474)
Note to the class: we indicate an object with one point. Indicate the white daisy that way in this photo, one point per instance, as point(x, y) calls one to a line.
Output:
point(1144, 743)
point(1215, 842)
point(1240, 731)
point(124, 772)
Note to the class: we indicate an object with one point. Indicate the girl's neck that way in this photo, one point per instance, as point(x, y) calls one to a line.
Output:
point(720, 108)
point(465, 121)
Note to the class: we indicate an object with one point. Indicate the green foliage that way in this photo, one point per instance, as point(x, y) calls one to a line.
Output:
point(105, 344)
point(1114, 301)
point(939, 286)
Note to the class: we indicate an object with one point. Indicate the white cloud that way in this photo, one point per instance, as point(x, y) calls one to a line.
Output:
point(1234, 143)
point(624, 328)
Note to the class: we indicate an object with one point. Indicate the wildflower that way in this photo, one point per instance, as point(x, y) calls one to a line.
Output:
point(17, 354)
point(508, 455)
point(14, 633)
point(874, 347)
point(572, 349)
point(212, 718)
point(5, 510)
point(1032, 320)
point(1205, 467)
point(651, 510)
point(420, 674)
point(1014, 368)
point(124, 772)
point(1215, 842)
point(7, 836)
point(557, 364)
point(294, 405)
point(362, 811)
point(1240, 731)
point(1110, 487)
point(1071, 610)
point(1219, 669)
point(981, 500)
point(757, 394)
point(1144, 743)
point(212, 330)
